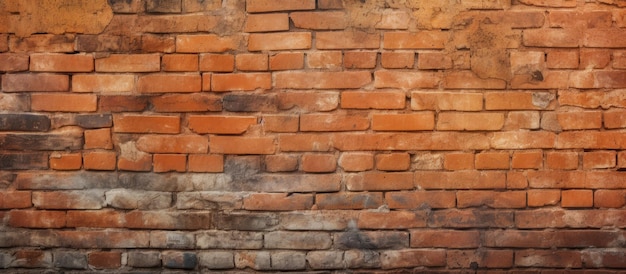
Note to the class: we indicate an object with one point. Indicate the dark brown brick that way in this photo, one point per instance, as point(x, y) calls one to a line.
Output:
point(24, 122)
point(250, 102)
point(94, 120)
point(58, 140)
point(23, 161)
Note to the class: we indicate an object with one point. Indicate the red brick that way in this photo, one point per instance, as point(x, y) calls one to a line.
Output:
point(206, 43)
point(599, 159)
point(253, 6)
point(129, 63)
point(409, 258)
point(406, 79)
point(446, 101)
point(326, 122)
point(252, 62)
point(305, 142)
point(469, 179)
point(63, 102)
point(577, 198)
point(279, 41)
point(280, 163)
point(206, 163)
point(347, 40)
point(415, 40)
point(564, 38)
point(217, 62)
point(146, 124)
point(356, 161)
point(556, 179)
point(360, 59)
point(98, 138)
point(470, 121)
point(539, 198)
point(186, 103)
point(318, 163)
point(604, 198)
point(527, 159)
point(66, 161)
point(327, 20)
point(35, 82)
point(349, 200)
point(169, 162)
point(61, 62)
point(266, 22)
point(11, 62)
point(15, 199)
point(32, 259)
point(330, 60)
point(458, 161)
point(373, 181)
point(373, 100)
point(221, 124)
point(180, 62)
point(393, 161)
point(562, 59)
point(605, 38)
point(99, 160)
point(322, 80)
point(105, 260)
point(173, 144)
point(492, 199)
point(403, 122)
point(104, 83)
point(429, 238)
point(398, 59)
point(562, 160)
point(242, 145)
point(468, 80)
point(241, 81)
point(278, 201)
point(516, 180)
point(391, 220)
point(287, 61)
point(280, 123)
point(308, 101)
point(433, 60)
point(36, 218)
point(492, 160)
point(159, 83)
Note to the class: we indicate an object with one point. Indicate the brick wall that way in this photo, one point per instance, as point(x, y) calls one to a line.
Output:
point(303, 135)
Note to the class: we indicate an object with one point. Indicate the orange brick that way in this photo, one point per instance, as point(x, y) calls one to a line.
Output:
point(322, 80)
point(318, 163)
point(287, 61)
point(373, 100)
point(470, 121)
point(241, 81)
point(393, 161)
point(552, 38)
point(522, 120)
point(326, 122)
point(135, 161)
point(605, 198)
point(99, 160)
point(415, 40)
point(206, 43)
point(324, 60)
point(180, 62)
point(242, 145)
point(397, 59)
point(492, 160)
point(599, 159)
point(406, 79)
point(63, 102)
point(372, 181)
point(36, 218)
point(516, 180)
point(98, 138)
point(458, 161)
point(356, 161)
point(527, 159)
point(403, 122)
point(221, 124)
point(278, 201)
point(517, 101)
point(360, 59)
point(562, 59)
point(217, 62)
point(280, 163)
point(35, 82)
point(279, 41)
point(347, 40)
point(11, 62)
point(577, 198)
point(280, 123)
point(129, 63)
point(588, 19)
point(580, 120)
point(468, 80)
point(326, 20)
point(267, 22)
point(433, 60)
point(66, 161)
point(330, 4)
point(146, 124)
point(252, 62)
point(104, 83)
point(61, 62)
point(562, 160)
point(278, 5)
point(492, 199)
point(159, 83)
point(169, 162)
point(446, 101)
point(539, 198)
point(173, 144)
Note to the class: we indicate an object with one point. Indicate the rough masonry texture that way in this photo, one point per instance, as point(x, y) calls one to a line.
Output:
point(323, 136)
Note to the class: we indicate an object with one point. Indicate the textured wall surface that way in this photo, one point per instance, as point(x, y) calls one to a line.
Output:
point(319, 136)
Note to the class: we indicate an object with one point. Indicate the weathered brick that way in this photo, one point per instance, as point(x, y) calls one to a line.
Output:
point(277, 202)
point(410, 141)
point(446, 101)
point(564, 38)
point(346, 40)
point(95, 218)
point(172, 239)
point(241, 81)
point(144, 259)
point(88, 199)
point(146, 124)
point(267, 22)
point(373, 100)
point(61, 62)
point(217, 239)
point(62, 139)
point(319, 20)
point(322, 80)
point(403, 122)
point(160, 83)
point(404, 258)
point(492, 160)
point(11, 62)
point(32, 259)
point(242, 145)
point(307, 101)
point(216, 259)
point(164, 6)
point(70, 259)
point(546, 258)
point(15, 199)
point(360, 59)
point(217, 62)
point(221, 124)
point(278, 5)
point(35, 82)
point(209, 200)
point(539, 198)
point(325, 122)
point(330, 60)
point(420, 199)
point(36, 218)
point(305, 142)
point(99, 160)
point(469, 179)
point(252, 62)
point(205, 163)
point(286, 61)
point(42, 43)
point(371, 240)
point(168, 220)
point(53, 102)
point(179, 260)
point(279, 41)
point(256, 260)
point(173, 144)
point(98, 138)
point(280, 163)
point(468, 80)
point(246, 222)
point(415, 40)
point(392, 220)
point(431, 238)
point(297, 240)
point(280, 123)
point(129, 63)
point(133, 199)
point(206, 43)
point(349, 200)
point(380, 181)
point(356, 161)
point(105, 260)
point(180, 62)
point(508, 199)
point(406, 79)
point(24, 122)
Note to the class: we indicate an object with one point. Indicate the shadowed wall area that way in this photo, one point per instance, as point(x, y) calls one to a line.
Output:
point(323, 136)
